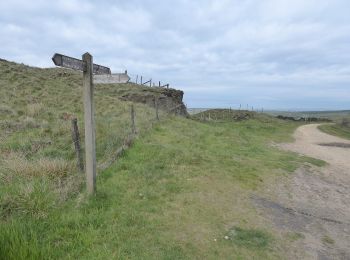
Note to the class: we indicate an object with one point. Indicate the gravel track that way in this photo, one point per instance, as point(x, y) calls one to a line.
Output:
point(315, 201)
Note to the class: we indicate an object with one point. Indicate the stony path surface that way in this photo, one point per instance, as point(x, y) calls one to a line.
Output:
point(315, 203)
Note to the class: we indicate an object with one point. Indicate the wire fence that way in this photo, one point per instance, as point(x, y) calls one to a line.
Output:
point(57, 148)
point(116, 134)
point(147, 81)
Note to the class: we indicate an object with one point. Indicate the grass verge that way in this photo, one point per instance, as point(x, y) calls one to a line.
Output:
point(336, 130)
point(175, 194)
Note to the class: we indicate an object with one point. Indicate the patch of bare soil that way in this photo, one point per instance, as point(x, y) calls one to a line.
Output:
point(315, 202)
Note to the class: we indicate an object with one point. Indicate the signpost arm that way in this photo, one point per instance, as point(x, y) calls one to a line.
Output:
point(90, 145)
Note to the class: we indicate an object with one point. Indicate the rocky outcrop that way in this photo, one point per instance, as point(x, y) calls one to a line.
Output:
point(169, 100)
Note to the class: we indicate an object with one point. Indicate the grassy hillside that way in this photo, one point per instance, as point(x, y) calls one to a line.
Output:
point(37, 159)
point(336, 129)
point(181, 192)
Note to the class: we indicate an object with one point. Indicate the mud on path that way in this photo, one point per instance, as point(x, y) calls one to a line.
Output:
point(314, 204)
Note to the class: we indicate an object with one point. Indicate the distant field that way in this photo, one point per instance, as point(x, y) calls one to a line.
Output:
point(333, 115)
point(193, 111)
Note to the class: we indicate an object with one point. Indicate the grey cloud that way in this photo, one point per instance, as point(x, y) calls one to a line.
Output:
point(268, 52)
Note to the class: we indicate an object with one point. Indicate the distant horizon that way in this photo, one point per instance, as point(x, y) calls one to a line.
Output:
point(273, 110)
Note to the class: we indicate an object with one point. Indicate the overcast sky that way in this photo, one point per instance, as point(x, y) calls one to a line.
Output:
point(276, 54)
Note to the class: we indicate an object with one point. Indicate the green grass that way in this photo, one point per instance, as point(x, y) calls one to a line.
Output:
point(250, 238)
point(336, 129)
point(175, 194)
point(36, 109)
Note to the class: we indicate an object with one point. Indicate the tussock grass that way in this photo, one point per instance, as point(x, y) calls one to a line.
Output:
point(34, 109)
point(54, 168)
point(6, 110)
point(34, 198)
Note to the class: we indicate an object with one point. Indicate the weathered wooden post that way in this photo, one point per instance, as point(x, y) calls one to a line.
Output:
point(150, 82)
point(88, 69)
point(159, 83)
point(137, 77)
point(132, 114)
point(141, 80)
point(90, 144)
point(76, 141)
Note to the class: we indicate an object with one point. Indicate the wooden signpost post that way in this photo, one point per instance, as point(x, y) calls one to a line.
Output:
point(86, 65)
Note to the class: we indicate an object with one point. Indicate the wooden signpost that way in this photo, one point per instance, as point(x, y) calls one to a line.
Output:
point(86, 65)
point(76, 64)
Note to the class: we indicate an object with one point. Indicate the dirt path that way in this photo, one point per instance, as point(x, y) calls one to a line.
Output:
point(315, 204)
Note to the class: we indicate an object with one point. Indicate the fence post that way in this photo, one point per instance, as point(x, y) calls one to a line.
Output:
point(159, 83)
point(90, 144)
point(150, 83)
point(137, 77)
point(156, 107)
point(132, 114)
point(141, 80)
point(76, 141)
